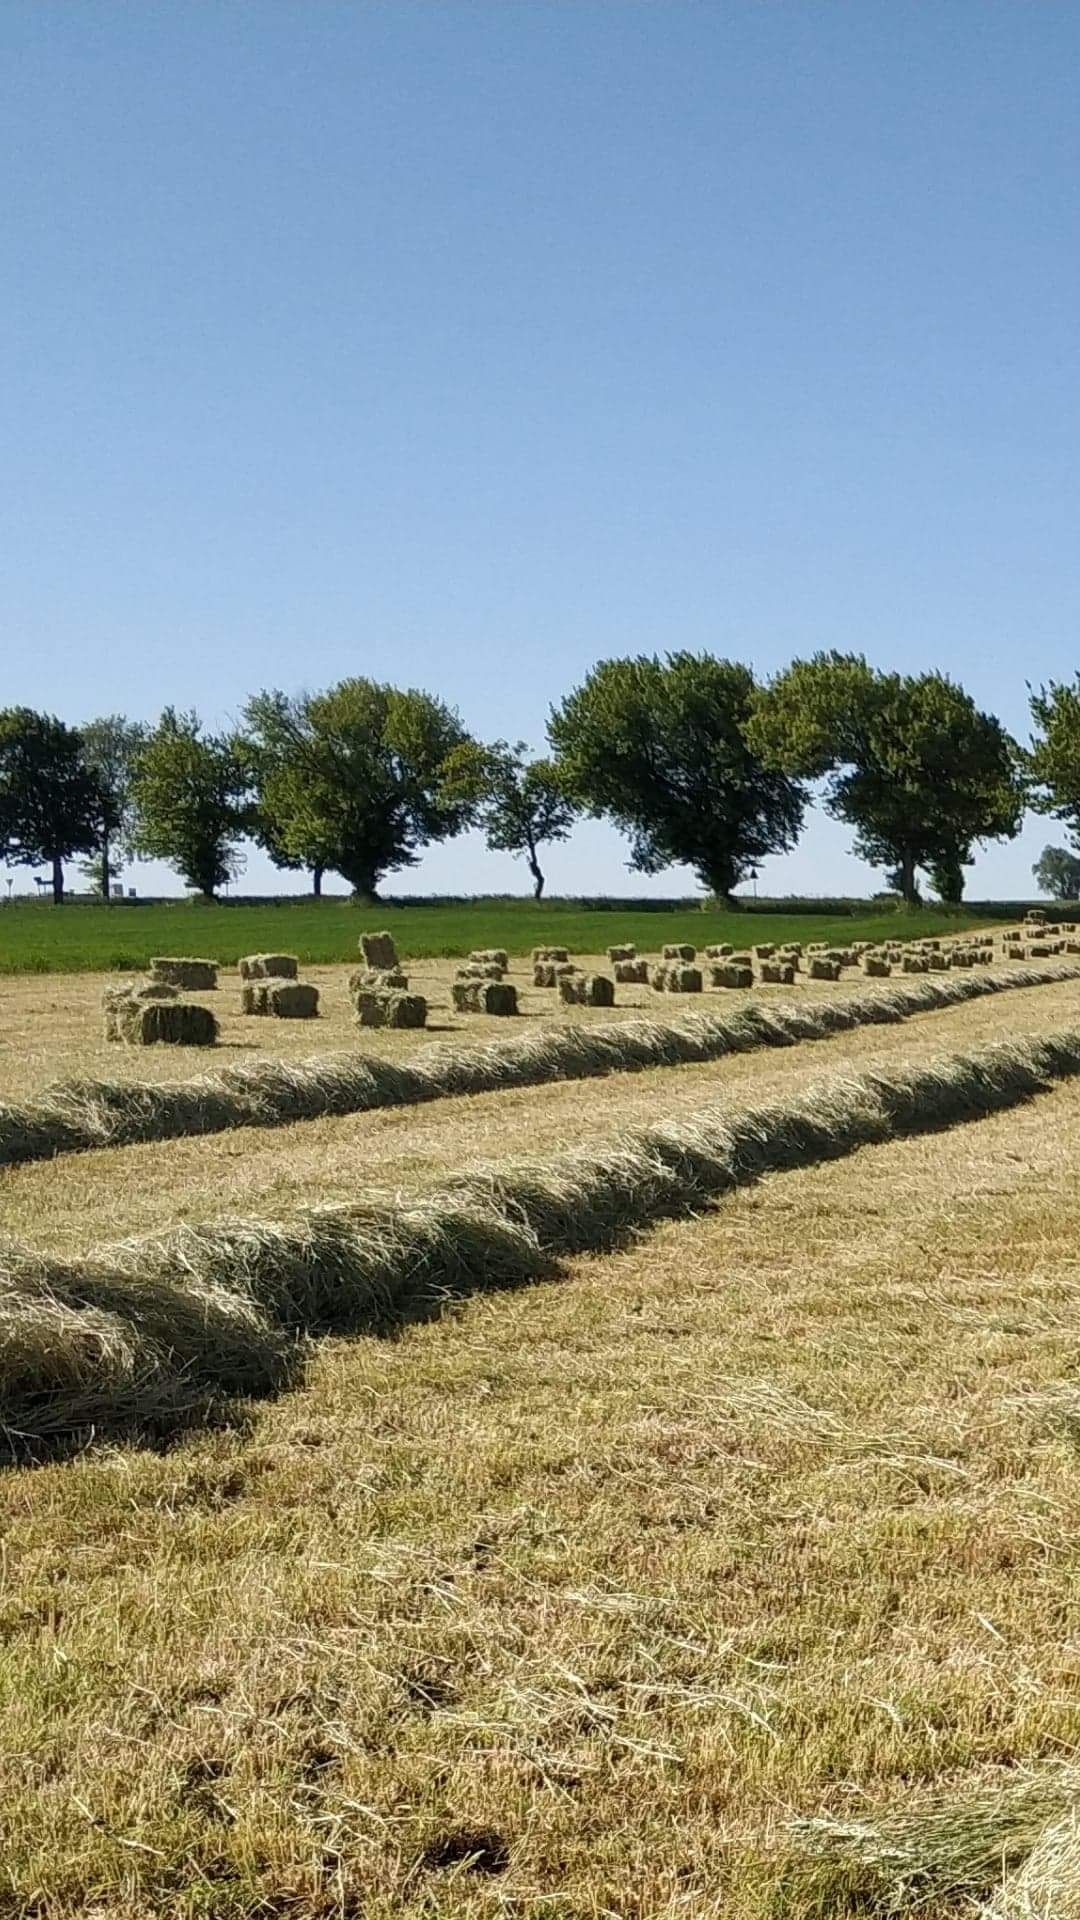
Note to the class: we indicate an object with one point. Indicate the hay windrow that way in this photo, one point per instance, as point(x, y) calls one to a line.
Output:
point(179, 1317)
point(77, 1115)
point(965, 1845)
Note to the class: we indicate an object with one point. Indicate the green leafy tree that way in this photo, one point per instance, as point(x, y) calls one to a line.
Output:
point(1053, 760)
point(110, 747)
point(50, 802)
point(660, 746)
point(1057, 873)
point(280, 747)
point(520, 803)
point(910, 762)
point(190, 798)
point(360, 789)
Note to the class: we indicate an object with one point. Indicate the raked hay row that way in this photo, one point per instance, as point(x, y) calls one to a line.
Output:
point(592, 1436)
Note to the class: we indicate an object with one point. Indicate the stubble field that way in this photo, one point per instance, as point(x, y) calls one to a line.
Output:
point(728, 1567)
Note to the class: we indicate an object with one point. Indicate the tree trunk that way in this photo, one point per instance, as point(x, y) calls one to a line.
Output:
point(907, 877)
point(57, 881)
point(316, 882)
point(537, 873)
point(106, 872)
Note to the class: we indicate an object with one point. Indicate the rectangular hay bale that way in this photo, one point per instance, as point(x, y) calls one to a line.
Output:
point(193, 976)
point(725, 973)
point(485, 996)
point(269, 966)
point(379, 950)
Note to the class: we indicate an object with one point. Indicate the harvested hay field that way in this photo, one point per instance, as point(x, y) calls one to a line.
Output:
point(71, 1117)
point(791, 1487)
point(670, 1547)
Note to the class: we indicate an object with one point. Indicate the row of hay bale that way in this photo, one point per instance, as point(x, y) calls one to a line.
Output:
point(1039, 938)
point(151, 1012)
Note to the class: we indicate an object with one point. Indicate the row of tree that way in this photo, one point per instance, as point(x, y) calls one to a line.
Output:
point(692, 759)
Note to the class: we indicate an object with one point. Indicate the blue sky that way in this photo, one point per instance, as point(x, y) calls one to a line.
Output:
point(466, 344)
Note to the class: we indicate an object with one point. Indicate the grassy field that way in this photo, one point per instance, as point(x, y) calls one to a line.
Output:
point(727, 1571)
point(82, 937)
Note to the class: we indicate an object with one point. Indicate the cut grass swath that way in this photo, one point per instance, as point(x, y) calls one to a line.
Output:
point(139, 1331)
point(1019, 1837)
point(74, 1116)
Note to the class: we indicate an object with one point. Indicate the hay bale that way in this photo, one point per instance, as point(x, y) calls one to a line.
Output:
point(820, 967)
point(631, 973)
point(280, 999)
point(777, 973)
point(938, 961)
point(377, 980)
point(587, 990)
point(379, 950)
point(172, 1023)
point(875, 966)
point(543, 955)
point(764, 952)
point(914, 963)
point(193, 976)
point(1014, 951)
point(725, 973)
point(120, 994)
point(485, 996)
point(490, 957)
point(480, 970)
point(1040, 950)
point(680, 952)
point(722, 951)
point(676, 978)
point(269, 966)
point(963, 957)
point(391, 1010)
point(548, 973)
point(616, 954)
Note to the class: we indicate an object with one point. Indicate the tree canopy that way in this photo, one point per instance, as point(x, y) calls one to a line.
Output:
point(110, 746)
point(660, 746)
point(1053, 760)
point(520, 803)
point(51, 806)
point(910, 762)
point(189, 793)
point(353, 779)
point(1057, 873)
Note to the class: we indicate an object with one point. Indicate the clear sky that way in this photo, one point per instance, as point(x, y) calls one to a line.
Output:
point(466, 343)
